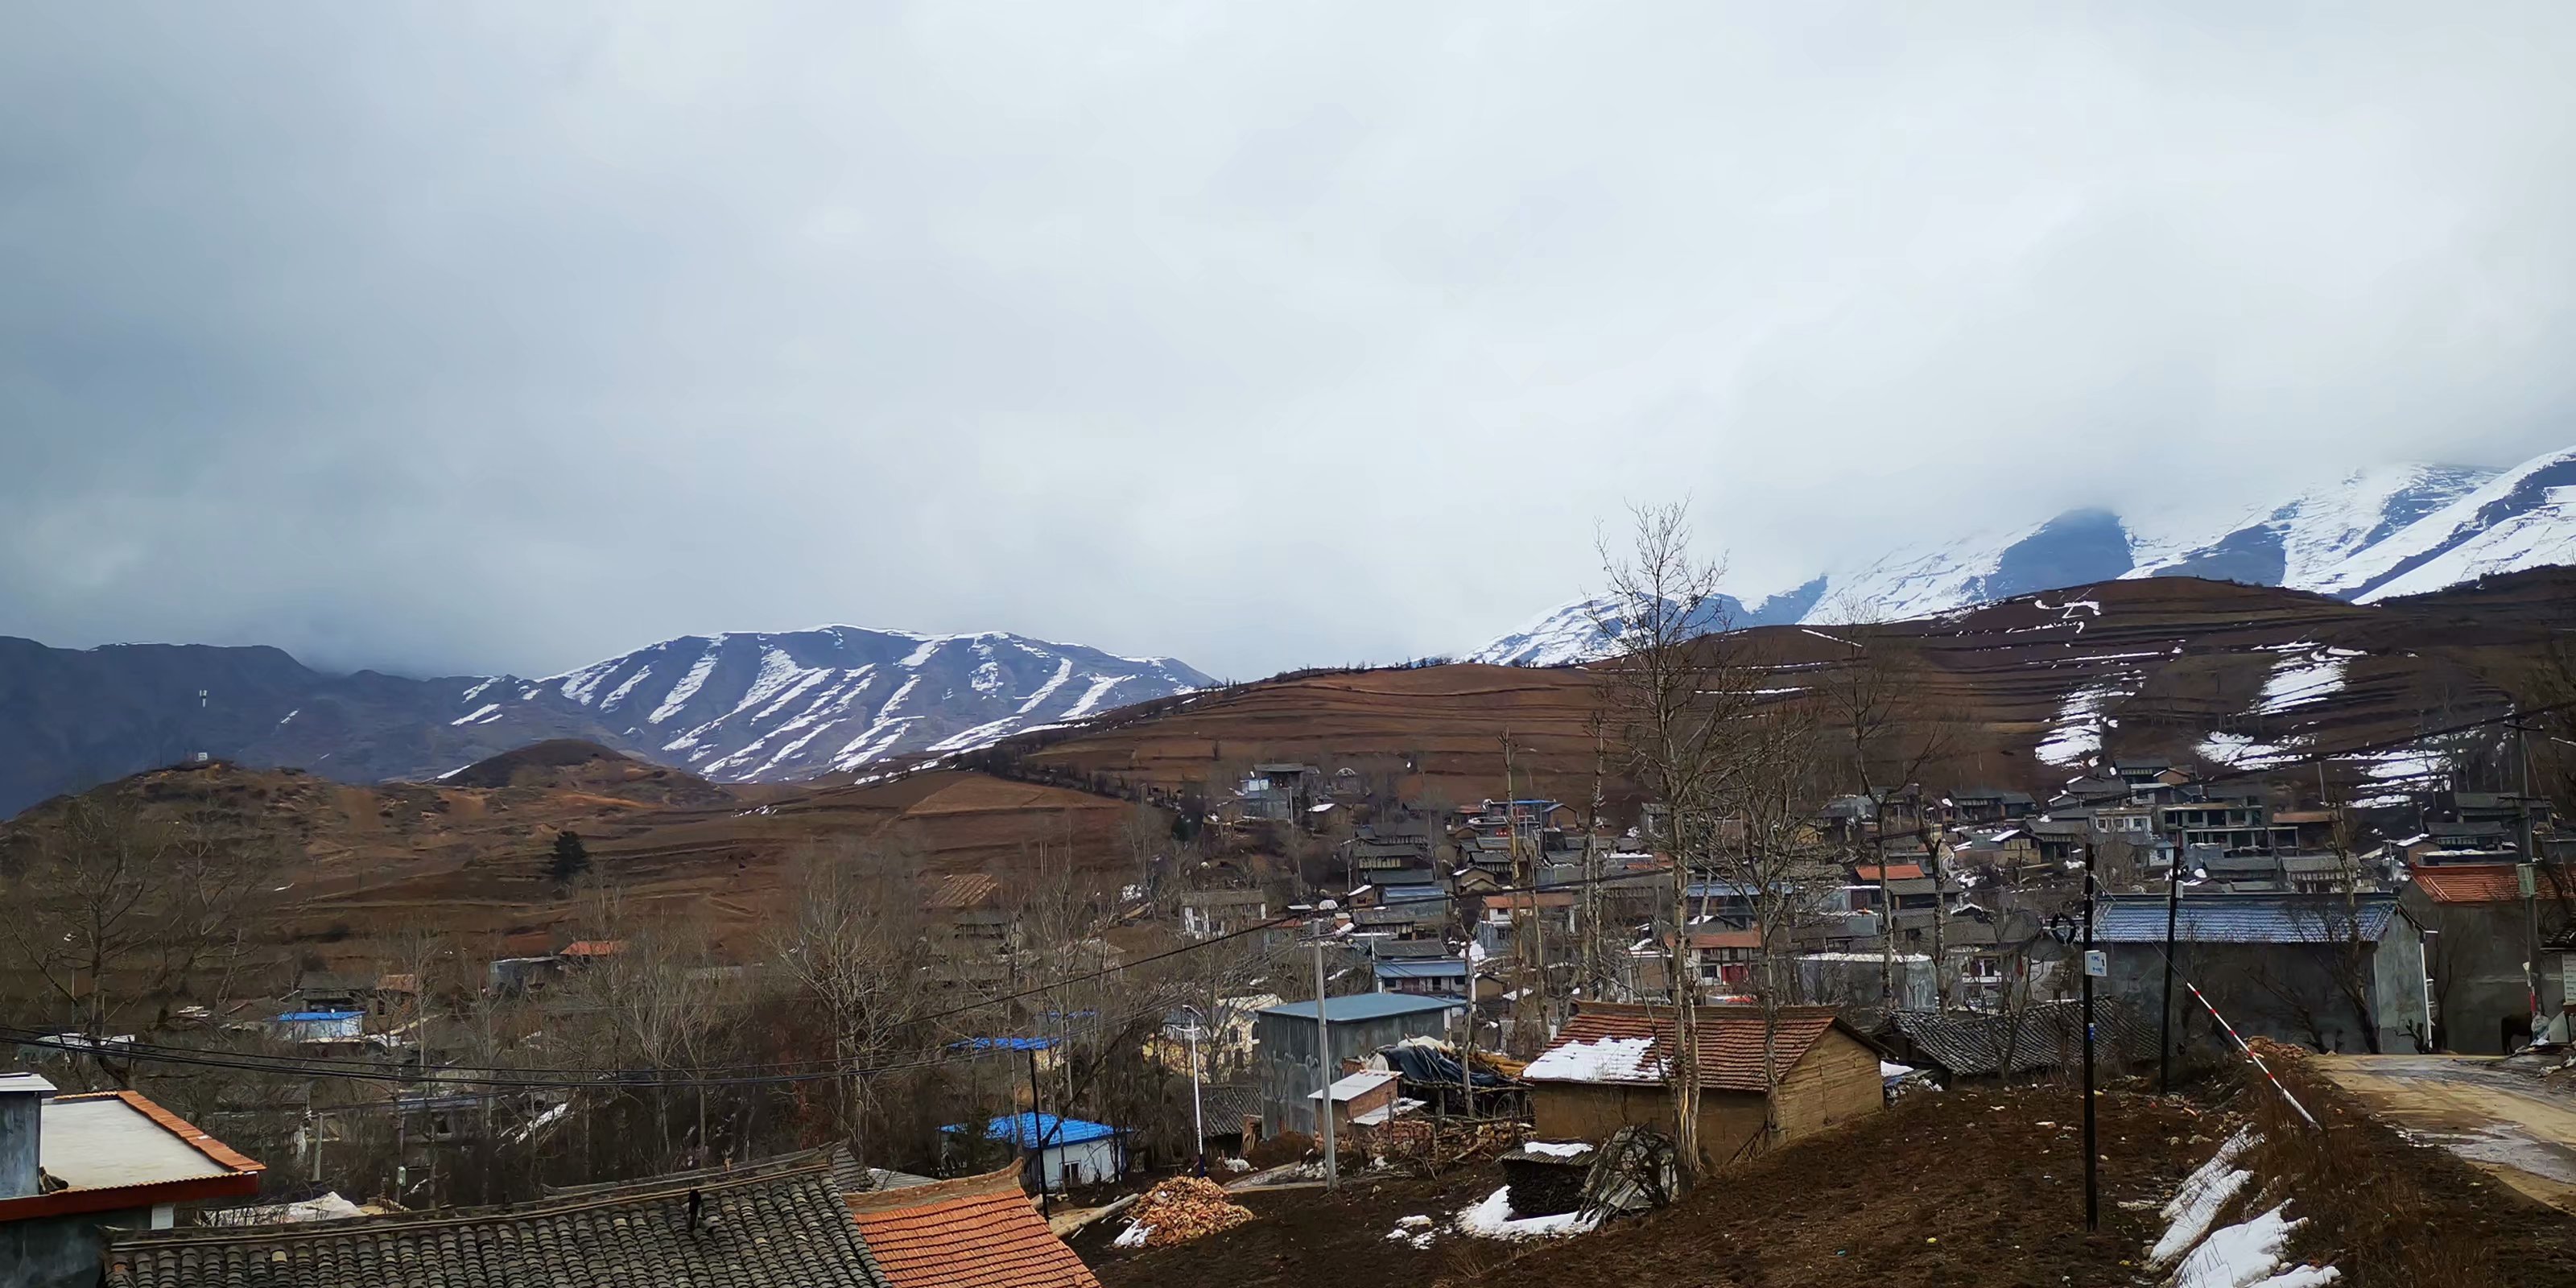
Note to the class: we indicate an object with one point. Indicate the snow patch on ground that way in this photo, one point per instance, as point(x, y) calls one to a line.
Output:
point(1552, 1149)
point(2195, 1207)
point(619, 693)
point(678, 698)
point(2077, 732)
point(2238, 751)
point(1493, 1219)
point(2301, 678)
point(1100, 687)
point(476, 716)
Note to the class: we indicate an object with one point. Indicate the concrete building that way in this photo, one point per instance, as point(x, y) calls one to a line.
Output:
point(2325, 971)
point(1607, 1069)
point(72, 1165)
point(1289, 1062)
point(2480, 936)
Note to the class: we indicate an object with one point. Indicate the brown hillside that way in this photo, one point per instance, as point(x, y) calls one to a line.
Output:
point(2182, 658)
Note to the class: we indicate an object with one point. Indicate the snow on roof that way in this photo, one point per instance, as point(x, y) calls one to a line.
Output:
point(1607, 1060)
point(1352, 1085)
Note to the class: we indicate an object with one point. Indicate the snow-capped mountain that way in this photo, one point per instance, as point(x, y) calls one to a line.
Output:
point(1582, 629)
point(2374, 534)
point(2302, 542)
point(792, 705)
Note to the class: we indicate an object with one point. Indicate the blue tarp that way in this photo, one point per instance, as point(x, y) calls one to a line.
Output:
point(1004, 1044)
point(1026, 1130)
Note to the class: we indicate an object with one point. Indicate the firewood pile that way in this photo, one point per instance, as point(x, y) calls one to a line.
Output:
point(1425, 1142)
point(1184, 1208)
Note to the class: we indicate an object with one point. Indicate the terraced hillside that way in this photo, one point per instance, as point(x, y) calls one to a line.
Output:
point(2215, 672)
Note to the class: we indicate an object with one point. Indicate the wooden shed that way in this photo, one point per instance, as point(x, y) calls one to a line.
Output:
point(1608, 1068)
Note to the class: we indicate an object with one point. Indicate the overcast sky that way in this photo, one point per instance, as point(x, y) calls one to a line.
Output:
point(452, 338)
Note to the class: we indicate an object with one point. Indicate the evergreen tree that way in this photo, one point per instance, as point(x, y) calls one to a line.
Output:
point(571, 857)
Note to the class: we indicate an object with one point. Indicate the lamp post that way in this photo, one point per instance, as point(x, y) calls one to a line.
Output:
point(1198, 1123)
point(2069, 935)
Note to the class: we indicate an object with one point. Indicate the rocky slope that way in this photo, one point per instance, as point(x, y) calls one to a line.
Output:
point(2371, 535)
point(740, 707)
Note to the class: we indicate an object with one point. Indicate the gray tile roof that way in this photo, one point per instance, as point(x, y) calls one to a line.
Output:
point(764, 1229)
point(2249, 919)
point(2047, 1035)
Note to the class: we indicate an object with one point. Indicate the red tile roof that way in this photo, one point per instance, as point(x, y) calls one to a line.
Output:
point(2469, 883)
point(963, 891)
point(1711, 939)
point(1895, 872)
point(594, 948)
point(978, 1232)
point(1730, 1038)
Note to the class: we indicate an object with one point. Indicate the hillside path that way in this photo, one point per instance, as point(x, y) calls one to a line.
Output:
point(2500, 1119)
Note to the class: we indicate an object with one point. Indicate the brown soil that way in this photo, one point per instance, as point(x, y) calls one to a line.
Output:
point(2195, 654)
point(1952, 1190)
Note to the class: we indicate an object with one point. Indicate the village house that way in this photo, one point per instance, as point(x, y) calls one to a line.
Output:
point(1607, 1067)
point(1058, 1153)
point(708, 1227)
point(2330, 972)
point(2477, 938)
point(1290, 1064)
point(1989, 805)
point(1206, 914)
point(1365, 1098)
point(978, 1231)
point(73, 1167)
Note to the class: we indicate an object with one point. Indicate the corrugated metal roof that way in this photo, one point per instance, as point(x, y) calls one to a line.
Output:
point(1420, 968)
point(1362, 1006)
point(2249, 919)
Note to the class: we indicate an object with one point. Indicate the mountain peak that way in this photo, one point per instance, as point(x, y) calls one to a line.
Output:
point(2375, 533)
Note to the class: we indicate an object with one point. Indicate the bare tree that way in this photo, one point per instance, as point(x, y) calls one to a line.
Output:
point(121, 915)
point(851, 942)
point(1675, 697)
point(1773, 853)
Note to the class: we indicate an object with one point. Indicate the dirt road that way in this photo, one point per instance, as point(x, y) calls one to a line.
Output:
point(2500, 1119)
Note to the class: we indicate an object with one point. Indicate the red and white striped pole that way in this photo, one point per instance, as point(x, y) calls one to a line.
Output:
point(2250, 1055)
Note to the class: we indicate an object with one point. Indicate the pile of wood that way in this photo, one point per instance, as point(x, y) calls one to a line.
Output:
point(1185, 1208)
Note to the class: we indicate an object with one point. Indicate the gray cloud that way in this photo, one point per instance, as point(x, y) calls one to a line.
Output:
point(446, 338)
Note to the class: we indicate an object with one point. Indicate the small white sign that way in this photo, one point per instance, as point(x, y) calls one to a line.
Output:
point(2097, 964)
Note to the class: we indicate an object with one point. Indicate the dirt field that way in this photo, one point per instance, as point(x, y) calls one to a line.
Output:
point(1944, 1191)
point(1956, 1190)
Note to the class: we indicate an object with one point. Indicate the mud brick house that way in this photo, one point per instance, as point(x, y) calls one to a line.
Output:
point(1608, 1069)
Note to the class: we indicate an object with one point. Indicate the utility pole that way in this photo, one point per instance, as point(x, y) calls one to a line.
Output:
point(2530, 881)
point(1467, 1048)
point(2092, 1154)
point(2164, 1035)
point(1331, 1072)
point(1035, 1136)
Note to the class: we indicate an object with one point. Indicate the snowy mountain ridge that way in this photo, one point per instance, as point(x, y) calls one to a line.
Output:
point(2374, 534)
point(764, 706)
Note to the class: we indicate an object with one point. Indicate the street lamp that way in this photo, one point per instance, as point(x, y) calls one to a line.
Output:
point(1198, 1124)
point(2092, 963)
